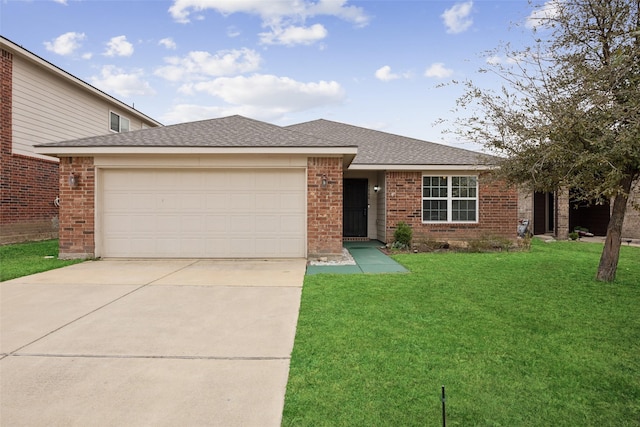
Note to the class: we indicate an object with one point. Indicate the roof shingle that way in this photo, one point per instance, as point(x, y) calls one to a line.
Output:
point(232, 131)
point(373, 147)
point(381, 148)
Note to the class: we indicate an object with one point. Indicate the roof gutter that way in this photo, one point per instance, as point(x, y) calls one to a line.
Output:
point(66, 151)
point(396, 167)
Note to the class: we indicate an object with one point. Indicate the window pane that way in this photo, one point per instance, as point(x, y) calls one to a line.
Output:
point(434, 186)
point(463, 186)
point(434, 210)
point(463, 210)
point(115, 122)
point(124, 125)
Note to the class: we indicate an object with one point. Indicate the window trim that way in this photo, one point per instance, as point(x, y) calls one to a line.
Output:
point(120, 119)
point(449, 198)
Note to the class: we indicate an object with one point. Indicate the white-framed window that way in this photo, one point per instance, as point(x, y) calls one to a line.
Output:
point(449, 198)
point(117, 123)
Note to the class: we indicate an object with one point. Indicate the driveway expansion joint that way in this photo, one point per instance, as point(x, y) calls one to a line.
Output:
point(131, 356)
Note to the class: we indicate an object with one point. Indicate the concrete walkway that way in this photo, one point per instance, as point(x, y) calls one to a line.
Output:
point(368, 258)
point(141, 343)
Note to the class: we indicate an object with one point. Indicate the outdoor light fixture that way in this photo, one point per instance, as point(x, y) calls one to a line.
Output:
point(73, 180)
point(324, 181)
point(376, 188)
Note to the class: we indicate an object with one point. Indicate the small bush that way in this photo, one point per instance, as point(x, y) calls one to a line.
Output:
point(524, 243)
point(402, 236)
point(489, 244)
point(430, 245)
point(574, 235)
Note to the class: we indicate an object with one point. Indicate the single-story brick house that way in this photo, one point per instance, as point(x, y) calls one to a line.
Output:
point(235, 187)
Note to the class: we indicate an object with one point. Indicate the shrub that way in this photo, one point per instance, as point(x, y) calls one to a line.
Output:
point(489, 244)
point(574, 235)
point(402, 236)
point(430, 245)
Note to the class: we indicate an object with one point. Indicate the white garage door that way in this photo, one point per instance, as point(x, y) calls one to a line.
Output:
point(203, 213)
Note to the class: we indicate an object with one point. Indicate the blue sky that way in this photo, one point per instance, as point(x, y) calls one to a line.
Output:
point(377, 64)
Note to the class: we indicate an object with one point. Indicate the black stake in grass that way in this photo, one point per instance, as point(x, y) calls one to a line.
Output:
point(444, 412)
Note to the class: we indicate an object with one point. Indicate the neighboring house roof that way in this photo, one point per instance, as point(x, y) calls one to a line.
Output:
point(7, 44)
point(233, 132)
point(381, 150)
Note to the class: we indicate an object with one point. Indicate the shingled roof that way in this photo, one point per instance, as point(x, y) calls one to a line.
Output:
point(381, 148)
point(232, 131)
point(374, 148)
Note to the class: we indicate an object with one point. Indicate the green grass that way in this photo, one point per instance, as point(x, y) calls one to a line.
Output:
point(518, 339)
point(23, 259)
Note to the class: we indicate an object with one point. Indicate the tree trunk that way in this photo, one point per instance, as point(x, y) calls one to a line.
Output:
point(611, 252)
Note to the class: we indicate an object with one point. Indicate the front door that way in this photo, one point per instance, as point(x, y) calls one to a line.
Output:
point(355, 207)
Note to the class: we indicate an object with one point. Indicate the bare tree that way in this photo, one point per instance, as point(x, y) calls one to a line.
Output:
point(568, 112)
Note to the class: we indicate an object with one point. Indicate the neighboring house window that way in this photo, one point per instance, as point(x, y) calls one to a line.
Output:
point(449, 198)
point(119, 123)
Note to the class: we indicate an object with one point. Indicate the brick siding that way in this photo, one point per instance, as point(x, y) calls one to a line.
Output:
point(498, 210)
point(324, 206)
point(28, 185)
point(77, 208)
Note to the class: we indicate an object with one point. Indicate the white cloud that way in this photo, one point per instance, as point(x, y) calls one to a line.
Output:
point(277, 94)
point(117, 81)
point(168, 43)
point(293, 35)
point(497, 59)
point(271, 11)
point(438, 70)
point(182, 113)
point(65, 44)
point(540, 16)
point(191, 112)
point(494, 60)
point(233, 31)
point(457, 19)
point(199, 65)
point(64, 2)
point(119, 46)
point(385, 74)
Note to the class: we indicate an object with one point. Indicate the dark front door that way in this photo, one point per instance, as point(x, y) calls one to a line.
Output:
point(355, 208)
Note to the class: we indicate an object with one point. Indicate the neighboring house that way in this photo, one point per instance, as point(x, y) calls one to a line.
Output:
point(235, 187)
point(557, 214)
point(42, 103)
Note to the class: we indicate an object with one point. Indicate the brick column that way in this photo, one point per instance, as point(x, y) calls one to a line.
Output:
point(562, 214)
point(6, 131)
point(324, 206)
point(77, 208)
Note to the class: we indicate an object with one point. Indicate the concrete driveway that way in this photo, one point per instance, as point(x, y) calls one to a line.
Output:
point(135, 343)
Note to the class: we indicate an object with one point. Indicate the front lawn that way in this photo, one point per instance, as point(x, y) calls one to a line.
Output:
point(518, 339)
point(23, 259)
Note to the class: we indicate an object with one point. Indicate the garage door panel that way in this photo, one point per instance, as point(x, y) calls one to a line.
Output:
point(292, 225)
point(242, 247)
point(217, 224)
point(292, 202)
point(187, 201)
point(191, 224)
point(142, 224)
point(203, 213)
point(217, 201)
point(242, 224)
